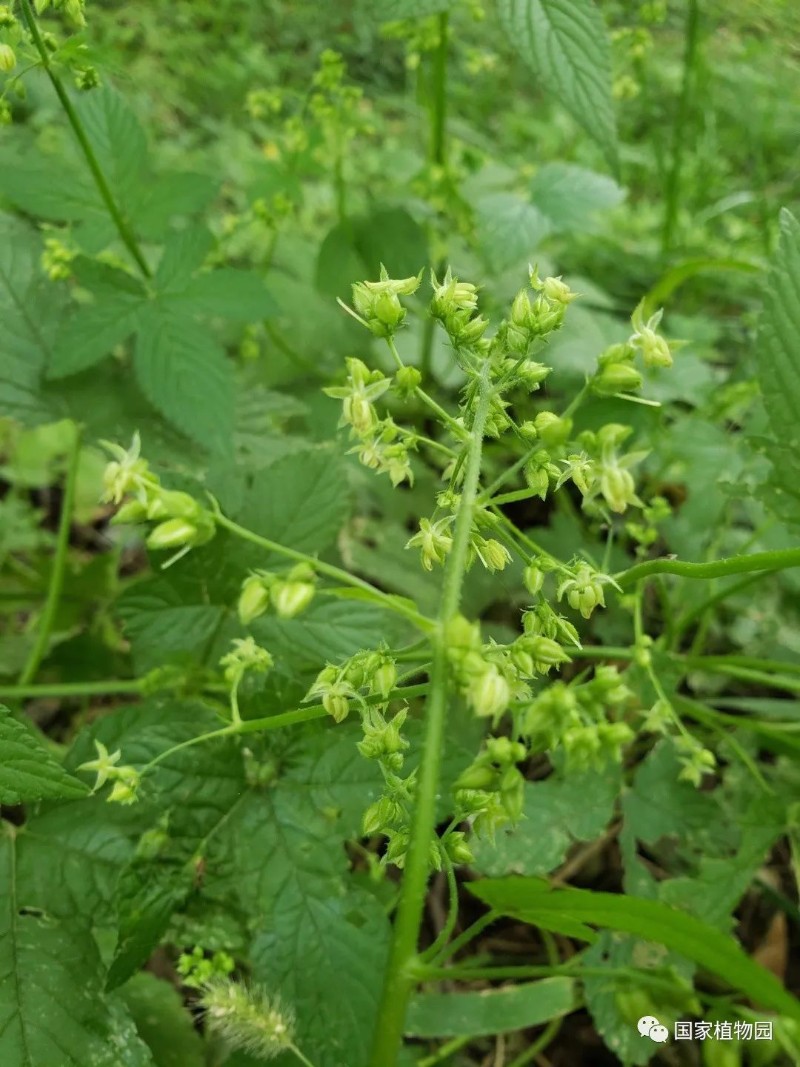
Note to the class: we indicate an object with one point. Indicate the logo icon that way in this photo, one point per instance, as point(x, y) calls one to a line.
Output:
point(649, 1026)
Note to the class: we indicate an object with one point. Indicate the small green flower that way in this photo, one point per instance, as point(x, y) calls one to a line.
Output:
point(104, 766)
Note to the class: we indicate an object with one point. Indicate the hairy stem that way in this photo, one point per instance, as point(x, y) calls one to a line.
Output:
point(120, 222)
point(393, 603)
point(399, 979)
point(778, 560)
point(45, 628)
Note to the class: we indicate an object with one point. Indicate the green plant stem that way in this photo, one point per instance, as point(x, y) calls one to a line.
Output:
point(444, 416)
point(684, 621)
point(120, 222)
point(56, 584)
point(680, 132)
point(400, 978)
point(395, 604)
point(70, 689)
point(303, 1059)
point(465, 937)
point(778, 560)
point(446, 1050)
point(539, 1045)
point(438, 157)
point(277, 722)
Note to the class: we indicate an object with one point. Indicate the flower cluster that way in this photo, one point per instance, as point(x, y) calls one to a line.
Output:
point(367, 673)
point(245, 656)
point(616, 374)
point(181, 522)
point(288, 594)
point(106, 766)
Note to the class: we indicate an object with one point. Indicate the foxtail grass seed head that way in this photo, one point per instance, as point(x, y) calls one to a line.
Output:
point(247, 1018)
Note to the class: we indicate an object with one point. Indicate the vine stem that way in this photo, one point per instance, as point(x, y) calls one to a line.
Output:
point(39, 649)
point(71, 689)
point(123, 228)
point(680, 126)
point(400, 976)
point(778, 560)
point(395, 604)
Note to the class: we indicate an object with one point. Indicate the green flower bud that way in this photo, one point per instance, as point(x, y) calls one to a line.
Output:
point(384, 678)
point(544, 650)
point(489, 693)
point(616, 378)
point(456, 847)
point(493, 555)
point(533, 579)
point(476, 776)
point(388, 309)
point(618, 488)
point(8, 59)
point(406, 380)
point(173, 533)
point(130, 513)
point(553, 430)
point(291, 598)
point(169, 503)
point(253, 599)
point(7, 19)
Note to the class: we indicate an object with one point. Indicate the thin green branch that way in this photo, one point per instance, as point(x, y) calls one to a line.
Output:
point(71, 689)
point(400, 979)
point(777, 560)
point(120, 222)
point(396, 604)
point(47, 620)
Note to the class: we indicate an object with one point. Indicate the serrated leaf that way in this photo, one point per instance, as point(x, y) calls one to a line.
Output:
point(70, 856)
point(117, 139)
point(162, 627)
point(146, 899)
point(336, 943)
point(300, 501)
point(532, 900)
point(327, 631)
point(186, 376)
point(184, 253)
point(555, 815)
point(26, 180)
point(571, 196)
point(30, 313)
point(490, 1011)
point(52, 1010)
point(93, 330)
point(28, 771)
point(510, 229)
point(778, 348)
point(566, 45)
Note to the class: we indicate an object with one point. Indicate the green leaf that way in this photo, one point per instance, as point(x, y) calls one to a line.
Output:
point(186, 376)
point(229, 293)
point(28, 771)
point(301, 500)
point(389, 10)
point(490, 1011)
point(533, 901)
point(571, 196)
point(52, 1010)
point(171, 195)
point(70, 856)
point(555, 815)
point(117, 139)
point(510, 229)
point(319, 942)
point(30, 312)
point(566, 45)
point(184, 254)
point(163, 1022)
point(778, 347)
point(26, 179)
point(146, 901)
point(93, 330)
point(162, 627)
